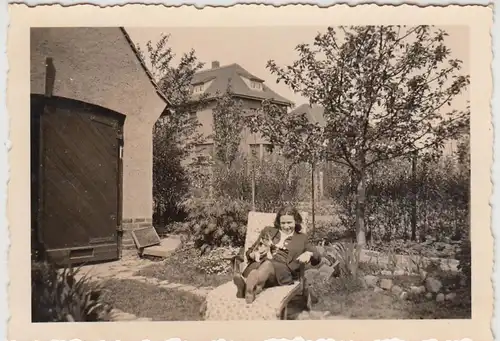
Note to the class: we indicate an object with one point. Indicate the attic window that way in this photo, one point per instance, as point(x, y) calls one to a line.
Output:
point(256, 85)
point(198, 88)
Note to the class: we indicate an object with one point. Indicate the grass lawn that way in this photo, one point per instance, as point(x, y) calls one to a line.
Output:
point(147, 300)
point(181, 267)
point(356, 302)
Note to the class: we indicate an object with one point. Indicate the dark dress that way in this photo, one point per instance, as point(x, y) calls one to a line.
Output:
point(286, 266)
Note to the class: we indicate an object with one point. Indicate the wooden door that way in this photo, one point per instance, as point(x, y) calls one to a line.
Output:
point(79, 181)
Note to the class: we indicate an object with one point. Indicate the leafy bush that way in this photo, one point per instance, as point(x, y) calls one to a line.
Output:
point(275, 183)
point(464, 258)
point(326, 233)
point(216, 262)
point(57, 296)
point(216, 223)
point(442, 190)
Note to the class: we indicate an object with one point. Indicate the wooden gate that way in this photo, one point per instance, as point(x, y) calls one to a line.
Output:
point(78, 180)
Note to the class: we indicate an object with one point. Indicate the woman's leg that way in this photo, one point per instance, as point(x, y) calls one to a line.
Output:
point(257, 279)
point(238, 279)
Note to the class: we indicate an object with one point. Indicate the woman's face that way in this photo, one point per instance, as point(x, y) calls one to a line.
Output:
point(287, 223)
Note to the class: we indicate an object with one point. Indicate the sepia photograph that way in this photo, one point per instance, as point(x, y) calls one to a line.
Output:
point(258, 172)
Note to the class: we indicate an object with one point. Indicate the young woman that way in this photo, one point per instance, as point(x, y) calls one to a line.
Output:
point(291, 248)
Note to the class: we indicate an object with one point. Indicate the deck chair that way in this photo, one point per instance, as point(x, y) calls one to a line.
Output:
point(271, 304)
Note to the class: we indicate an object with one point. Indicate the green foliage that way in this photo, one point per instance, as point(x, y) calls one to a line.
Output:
point(217, 223)
point(387, 91)
point(275, 183)
point(57, 296)
point(228, 125)
point(465, 262)
point(217, 261)
point(175, 133)
point(297, 138)
point(348, 257)
point(442, 189)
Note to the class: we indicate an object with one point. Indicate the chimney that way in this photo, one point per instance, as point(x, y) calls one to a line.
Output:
point(215, 64)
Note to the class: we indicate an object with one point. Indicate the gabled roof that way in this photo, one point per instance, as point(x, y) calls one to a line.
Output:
point(313, 113)
point(221, 76)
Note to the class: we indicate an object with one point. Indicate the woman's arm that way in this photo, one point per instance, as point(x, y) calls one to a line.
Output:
point(316, 256)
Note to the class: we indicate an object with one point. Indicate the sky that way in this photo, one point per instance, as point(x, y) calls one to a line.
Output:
point(252, 47)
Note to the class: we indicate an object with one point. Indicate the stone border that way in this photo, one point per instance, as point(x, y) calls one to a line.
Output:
point(407, 262)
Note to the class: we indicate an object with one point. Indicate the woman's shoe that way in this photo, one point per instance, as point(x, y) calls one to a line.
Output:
point(240, 283)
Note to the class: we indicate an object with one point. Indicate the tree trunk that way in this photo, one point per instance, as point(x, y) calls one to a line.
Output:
point(312, 200)
point(414, 197)
point(360, 209)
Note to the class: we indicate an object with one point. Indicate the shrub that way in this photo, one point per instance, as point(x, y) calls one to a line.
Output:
point(275, 183)
point(57, 296)
point(216, 261)
point(326, 233)
point(464, 258)
point(170, 177)
point(216, 223)
point(442, 190)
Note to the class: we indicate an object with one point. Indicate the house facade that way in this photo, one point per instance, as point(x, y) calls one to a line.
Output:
point(94, 105)
point(246, 87)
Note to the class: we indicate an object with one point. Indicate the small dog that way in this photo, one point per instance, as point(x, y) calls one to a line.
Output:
point(264, 249)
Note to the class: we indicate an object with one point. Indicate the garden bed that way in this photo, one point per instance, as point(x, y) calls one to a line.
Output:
point(186, 266)
point(382, 296)
point(149, 301)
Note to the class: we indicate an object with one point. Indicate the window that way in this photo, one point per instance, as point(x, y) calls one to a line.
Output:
point(255, 150)
point(256, 85)
point(198, 88)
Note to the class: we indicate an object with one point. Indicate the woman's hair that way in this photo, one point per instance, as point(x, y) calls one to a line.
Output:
point(289, 210)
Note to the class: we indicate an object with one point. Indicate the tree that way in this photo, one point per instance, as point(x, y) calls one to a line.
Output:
point(387, 92)
point(228, 124)
point(175, 132)
point(297, 138)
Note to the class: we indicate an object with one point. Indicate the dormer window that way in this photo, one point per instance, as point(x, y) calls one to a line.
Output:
point(256, 85)
point(198, 88)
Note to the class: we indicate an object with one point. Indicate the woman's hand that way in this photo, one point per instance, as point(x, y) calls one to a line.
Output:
point(305, 257)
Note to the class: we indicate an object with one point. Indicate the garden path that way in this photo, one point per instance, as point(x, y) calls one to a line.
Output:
point(125, 268)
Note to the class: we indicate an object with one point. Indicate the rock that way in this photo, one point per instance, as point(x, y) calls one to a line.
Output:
point(423, 274)
point(303, 316)
point(433, 285)
point(399, 272)
point(316, 315)
point(428, 295)
point(403, 295)
point(440, 297)
point(371, 281)
point(386, 273)
point(396, 289)
point(386, 284)
point(378, 289)
point(144, 319)
point(415, 290)
point(450, 297)
point(122, 316)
